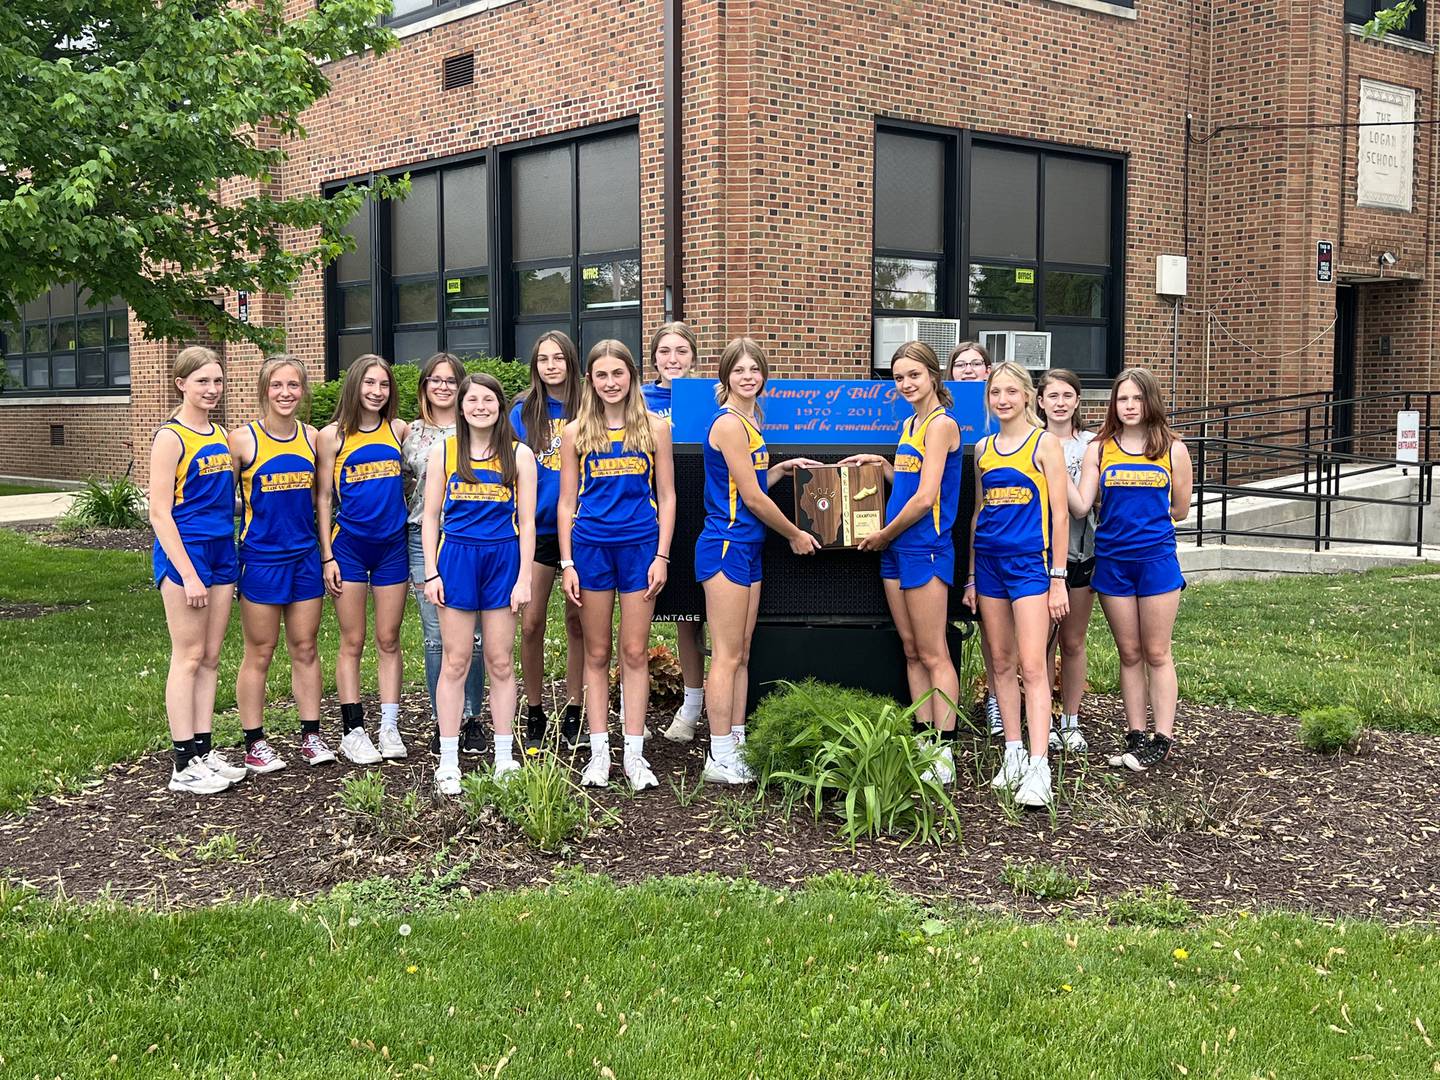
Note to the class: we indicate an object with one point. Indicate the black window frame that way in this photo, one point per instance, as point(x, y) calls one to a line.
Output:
point(1360, 12)
point(103, 358)
point(952, 288)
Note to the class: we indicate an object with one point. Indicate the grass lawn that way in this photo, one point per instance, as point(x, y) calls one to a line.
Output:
point(687, 977)
point(25, 489)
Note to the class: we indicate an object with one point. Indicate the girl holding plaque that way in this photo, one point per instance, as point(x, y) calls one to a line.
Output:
point(918, 560)
point(1020, 540)
point(616, 518)
point(738, 509)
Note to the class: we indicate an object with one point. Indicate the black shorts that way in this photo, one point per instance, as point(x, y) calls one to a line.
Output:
point(1078, 574)
point(547, 550)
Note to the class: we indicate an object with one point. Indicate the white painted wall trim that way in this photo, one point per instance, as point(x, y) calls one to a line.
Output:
point(7, 402)
point(444, 18)
point(1386, 39)
point(1120, 11)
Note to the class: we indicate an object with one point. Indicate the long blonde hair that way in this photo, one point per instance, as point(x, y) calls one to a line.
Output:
point(592, 436)
point(273, 364)
point(1021, 375)
point(347, 413)
point(188, 361)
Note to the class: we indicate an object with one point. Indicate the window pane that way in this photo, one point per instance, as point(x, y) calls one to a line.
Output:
point(92, 332)
point(467, 297)
point(414, 346)
point(350, 347)
point(415, 302)
point(355, 265)
point(88, 302)
point(15, 369)
point(39, 308)
point(119, 367)
point(626, 330)
point(63, 370)
point(62, 300)
point(10, 339)
point(37, 371)
point(906, 284)
point(1077, 211)
point(467, 237)
point(1078, 295)
point(468, 341)
point(401, 8)
point(1359, 11)
point(610, 194)
point(1002, 203)
point(527, 334)
point(62, 335)
point(37, 338)
point(355, 306)
point(92, 369)
point(545, 291)
point(118, 330)
point(1002, 290)
point(543, 207)
point(414, 246)
point(909, 192)
point(610, 285)
point(1080, 348)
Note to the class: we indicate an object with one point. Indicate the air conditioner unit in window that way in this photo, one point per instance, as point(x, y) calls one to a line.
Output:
point(1028, 348)
point(942, 335)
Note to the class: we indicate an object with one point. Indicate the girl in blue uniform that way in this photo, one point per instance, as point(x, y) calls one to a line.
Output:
point(192, 510)
point(673, 353)
point(362, 515)
point(539, 417)
point(279, 560)
point(479, 535)
point(738, 475)
point(918, 560)
point(1137, 473)
point(1020, 539)
point(616, 517)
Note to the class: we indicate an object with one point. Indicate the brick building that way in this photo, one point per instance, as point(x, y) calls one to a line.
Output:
point(802, 171)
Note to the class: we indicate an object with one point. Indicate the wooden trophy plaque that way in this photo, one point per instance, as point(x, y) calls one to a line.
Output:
point(840, 504)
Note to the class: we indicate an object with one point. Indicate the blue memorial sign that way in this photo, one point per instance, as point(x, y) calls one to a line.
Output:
point(825, 412)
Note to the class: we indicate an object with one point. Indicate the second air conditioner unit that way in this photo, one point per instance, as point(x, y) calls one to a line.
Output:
point(1028, 348)
point(942, 335)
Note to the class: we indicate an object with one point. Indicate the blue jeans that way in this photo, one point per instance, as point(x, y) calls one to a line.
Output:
point(430, 628)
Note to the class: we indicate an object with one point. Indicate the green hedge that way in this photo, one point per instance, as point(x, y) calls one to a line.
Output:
point(513, 375)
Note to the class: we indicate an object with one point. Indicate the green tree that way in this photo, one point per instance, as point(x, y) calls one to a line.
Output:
point(1390, 20)
point(123, 120)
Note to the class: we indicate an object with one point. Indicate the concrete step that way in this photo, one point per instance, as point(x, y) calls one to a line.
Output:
point(1234, 562)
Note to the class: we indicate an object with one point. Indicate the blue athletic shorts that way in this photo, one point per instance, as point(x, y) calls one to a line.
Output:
point(380, 562)
point(1130, 577)
point(282, 583)
point(478, 577)
point(214, 560)
point(916, 568)
point(738, 560)
point(622, 567)
point(1011, 577)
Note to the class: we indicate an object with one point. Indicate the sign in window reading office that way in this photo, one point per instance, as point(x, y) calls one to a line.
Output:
point(1384, 174)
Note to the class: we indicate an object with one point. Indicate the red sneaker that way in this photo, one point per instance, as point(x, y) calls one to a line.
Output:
point(260, 757)
point(315, 751)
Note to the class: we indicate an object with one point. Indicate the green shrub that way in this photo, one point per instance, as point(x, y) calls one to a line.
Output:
point(1150, 906)
point(787, 726)
point(364, 794)
point(1331, 729)
point(513, 375)
point(541, 799)
point(1042, 881)
point(112, 504)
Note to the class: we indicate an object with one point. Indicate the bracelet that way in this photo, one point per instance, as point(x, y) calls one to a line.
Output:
point(665, 557)
point(329, 560)
point(969, 583)
point(431, 578)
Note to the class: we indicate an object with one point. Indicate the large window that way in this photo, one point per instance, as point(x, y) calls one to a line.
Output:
point(408, 11)
point(1002, 235)
point(1360, 12)
point(67, 340)
point(459, 267)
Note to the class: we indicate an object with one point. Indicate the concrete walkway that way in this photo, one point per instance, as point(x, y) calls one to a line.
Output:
point(31, 509)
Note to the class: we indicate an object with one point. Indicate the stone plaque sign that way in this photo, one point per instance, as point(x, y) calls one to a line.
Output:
point(1384, 174)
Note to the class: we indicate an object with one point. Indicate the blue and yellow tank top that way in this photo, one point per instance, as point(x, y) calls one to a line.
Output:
point(547, 465)
point(369, 484)
point(726, 515)
point(1015, 499)
point(1133, 512)
point(480, 511)
point(658, 398)
point(617, 496)
point(933, 530)
point(277, 490)
point(204, 507)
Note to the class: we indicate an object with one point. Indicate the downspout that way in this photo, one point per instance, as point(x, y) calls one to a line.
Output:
point(674, 298)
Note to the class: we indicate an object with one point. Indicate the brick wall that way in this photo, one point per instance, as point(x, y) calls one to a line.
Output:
point(97, 440)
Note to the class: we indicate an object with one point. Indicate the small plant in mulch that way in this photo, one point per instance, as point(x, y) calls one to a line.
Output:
point(1150, 906)
point(1331, 730)
point(223, 847)
point(364, 795)
point(106, 504)
point(541, 799)
point(427, 889)
point(1042, 881)
point(667, 681)
point(787, 727)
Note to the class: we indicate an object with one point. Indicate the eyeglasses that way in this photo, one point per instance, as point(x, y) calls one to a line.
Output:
point(438, 382)
point(976, 365)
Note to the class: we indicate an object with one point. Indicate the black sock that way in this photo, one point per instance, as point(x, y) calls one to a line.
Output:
point(254, 735)
point(309, 727)
point(953, 735)
point(572, 713)
point(535, 712)
point(202, 743)
point(352, 715)
point(184, 754)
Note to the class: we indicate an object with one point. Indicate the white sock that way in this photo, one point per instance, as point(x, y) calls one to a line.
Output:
point(599, 745)
point(390, 714)
point(1043, 759)
point(694, 701)
point(450, 752)
point(722, 748)
point(503, 744)
point(1013, 744)
point(1068, 722)
point(738, 730)
point(634, 746)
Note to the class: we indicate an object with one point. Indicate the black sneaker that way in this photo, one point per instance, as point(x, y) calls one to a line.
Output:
point(1152, 753)
point(535, 727)
point(472, 737)
point(435, 739)
point(1134, 740)
point(570, 731)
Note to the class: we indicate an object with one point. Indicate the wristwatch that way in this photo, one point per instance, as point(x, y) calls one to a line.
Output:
point(1061, 573)
point(566, 564)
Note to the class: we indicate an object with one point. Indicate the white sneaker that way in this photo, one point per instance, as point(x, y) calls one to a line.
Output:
point(1070, 740)
point(597, 772)
point(1012, 769)
point(943, 771)
point(506, 767)
point(637, 771)
point(683, 728)
point(357, 747)
point(392, 747)
point(1035, 789)
point(216, 762)
point(447, 779)
point(721, 772)
point(196, 779)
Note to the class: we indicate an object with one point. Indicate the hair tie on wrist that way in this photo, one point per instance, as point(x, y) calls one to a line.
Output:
point(665, 557)
point(431, 578)
point(329, 560)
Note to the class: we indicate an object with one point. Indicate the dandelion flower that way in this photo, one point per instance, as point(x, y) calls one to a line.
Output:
point(354, 921)
point(1181, 954)
point(404, 929)
point(1067, 988)
point(412, 969)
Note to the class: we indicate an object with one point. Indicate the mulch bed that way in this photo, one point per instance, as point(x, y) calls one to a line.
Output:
point(89, 539)
point(1241, 818)
point(30, 611)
